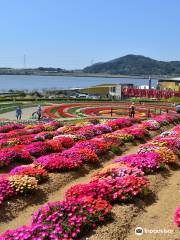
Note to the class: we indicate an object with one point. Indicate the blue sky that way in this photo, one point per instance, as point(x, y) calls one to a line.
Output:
point(74, 33)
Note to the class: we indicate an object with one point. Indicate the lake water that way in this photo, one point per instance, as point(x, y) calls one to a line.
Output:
point(27, 82)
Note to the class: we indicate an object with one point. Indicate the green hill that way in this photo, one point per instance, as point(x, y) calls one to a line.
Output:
point(135, 65)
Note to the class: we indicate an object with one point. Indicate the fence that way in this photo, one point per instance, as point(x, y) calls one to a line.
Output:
point(149, 93)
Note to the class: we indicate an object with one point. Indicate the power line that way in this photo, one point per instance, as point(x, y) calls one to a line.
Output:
point(24, 61)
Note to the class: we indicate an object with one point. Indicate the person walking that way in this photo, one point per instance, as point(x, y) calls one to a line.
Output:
point(18, 113)
point(132, 110)
point(39, 112)
point(178, 108)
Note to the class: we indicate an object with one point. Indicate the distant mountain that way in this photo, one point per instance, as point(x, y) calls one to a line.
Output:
point(135, 65)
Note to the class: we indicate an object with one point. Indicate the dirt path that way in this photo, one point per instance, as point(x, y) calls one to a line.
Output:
point(153, 213)
point(160, 214)
point(24, 216)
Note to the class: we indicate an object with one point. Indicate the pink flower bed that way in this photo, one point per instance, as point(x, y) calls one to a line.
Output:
point(89, 204)
point(30, 129)
point(10, 127)
point(117, 170)
point(136, 131)
point(21, 179)
point(6, 189)
point(57, 161)
point(30, 170)
point(63, 220)
point(82, 152)
point(37, 149)
point(16, 153)
point(151, 124)
point(147, 162)
point(111, 189)
point(177, 217)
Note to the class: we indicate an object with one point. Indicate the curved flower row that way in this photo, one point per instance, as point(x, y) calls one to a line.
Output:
point(10, 127)
point(106, 111)
point(89, 204)
point(93, 109)
point(26, 153)
point(28, 129)
point(152, 159)
point(70, 159)
point(108, 138)
point(36, 149)
point(62, 109)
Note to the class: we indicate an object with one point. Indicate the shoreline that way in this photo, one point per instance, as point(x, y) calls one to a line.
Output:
point(80, 75)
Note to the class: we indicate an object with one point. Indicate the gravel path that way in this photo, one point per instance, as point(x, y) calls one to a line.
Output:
point(159, 215)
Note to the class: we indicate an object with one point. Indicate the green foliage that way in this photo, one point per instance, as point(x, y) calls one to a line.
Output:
point(173, 99)
point(115, 149)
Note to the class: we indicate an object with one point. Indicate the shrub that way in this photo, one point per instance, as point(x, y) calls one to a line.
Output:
point(55, 161)
point(147, 162)
point(6, 189)
point(17, 153)
point(37, 149)
point(23, 184)
point(30, 170)
point(63, 220)
point(117, 170)
point(111, 189)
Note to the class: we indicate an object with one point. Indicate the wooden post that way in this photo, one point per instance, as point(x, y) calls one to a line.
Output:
point(111, 112)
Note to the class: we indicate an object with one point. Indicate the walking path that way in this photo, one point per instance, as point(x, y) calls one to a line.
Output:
point(26, 114)
point(159, 215)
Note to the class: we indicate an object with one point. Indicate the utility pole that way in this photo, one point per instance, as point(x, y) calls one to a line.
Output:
point(111, 112)
point(149, 94)
point(149, 82)
point(24, 60)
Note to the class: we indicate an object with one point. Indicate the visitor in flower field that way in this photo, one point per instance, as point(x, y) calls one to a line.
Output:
point(178, 108)
point(33, 114)
point(149, 113)
point(18, 113)
point(39, 112)
point(132, 110)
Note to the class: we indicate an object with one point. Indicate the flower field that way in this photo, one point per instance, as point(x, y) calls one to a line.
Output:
point(98, 109)
point(39, 149)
